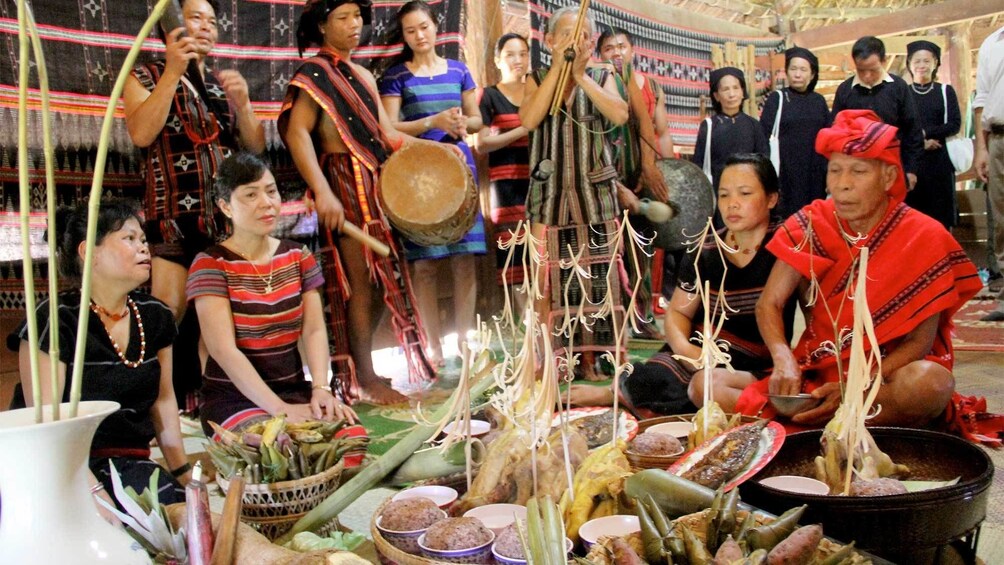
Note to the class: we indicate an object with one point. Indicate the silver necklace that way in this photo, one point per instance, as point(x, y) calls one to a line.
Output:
point(930, 87)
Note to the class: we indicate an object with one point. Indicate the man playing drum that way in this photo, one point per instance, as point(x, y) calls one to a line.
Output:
point(581, 191)
point(334, 102)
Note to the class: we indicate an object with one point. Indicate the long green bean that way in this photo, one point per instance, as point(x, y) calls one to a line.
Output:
point(94, 202)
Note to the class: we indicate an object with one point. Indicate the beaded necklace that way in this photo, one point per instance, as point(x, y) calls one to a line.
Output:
point(735, 244)
point(139, 324)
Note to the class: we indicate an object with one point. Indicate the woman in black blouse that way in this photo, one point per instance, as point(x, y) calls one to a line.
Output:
point(128, 352)
point(803, 114)
point(747, 196)
point(732, 131)
point(939, 117)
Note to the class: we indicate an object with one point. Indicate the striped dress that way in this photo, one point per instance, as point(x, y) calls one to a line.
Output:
point(509, 173)
point(422, 97)
point(267, 326)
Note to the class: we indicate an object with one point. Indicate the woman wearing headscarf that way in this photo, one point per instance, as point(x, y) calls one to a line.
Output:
point(939, 117)
point(731, 130)
point(802, 112)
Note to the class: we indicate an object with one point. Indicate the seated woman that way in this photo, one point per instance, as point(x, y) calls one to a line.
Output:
point(747, 194)
point(128, 351)
point(258, 306)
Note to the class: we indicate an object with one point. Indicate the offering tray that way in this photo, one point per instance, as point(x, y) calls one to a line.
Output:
point(905, 528)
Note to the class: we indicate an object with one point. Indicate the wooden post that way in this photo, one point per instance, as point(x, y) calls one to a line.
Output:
point(960, 71)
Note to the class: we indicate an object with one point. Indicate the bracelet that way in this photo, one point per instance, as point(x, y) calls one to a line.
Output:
point(181, 470)
point(97, 487)
point(322, 387)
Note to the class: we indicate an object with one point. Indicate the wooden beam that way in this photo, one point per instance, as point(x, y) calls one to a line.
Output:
point(804, 13)
point(904, 21)
point(897, 45)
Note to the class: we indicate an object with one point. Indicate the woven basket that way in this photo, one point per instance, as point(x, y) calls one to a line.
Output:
point(391, 555)
point(698, 523)
point(273, 508)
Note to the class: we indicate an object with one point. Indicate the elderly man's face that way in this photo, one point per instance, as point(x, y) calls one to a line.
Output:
point(860, 189)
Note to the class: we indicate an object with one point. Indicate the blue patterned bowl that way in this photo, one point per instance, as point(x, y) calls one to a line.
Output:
point(479, 554)
point(405, 541)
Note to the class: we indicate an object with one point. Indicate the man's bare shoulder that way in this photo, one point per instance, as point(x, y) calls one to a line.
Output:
point(364, 73)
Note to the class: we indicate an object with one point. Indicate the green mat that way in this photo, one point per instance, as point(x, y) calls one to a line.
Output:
point(388, 424)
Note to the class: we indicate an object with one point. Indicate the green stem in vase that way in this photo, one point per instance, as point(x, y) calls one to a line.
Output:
point(50, 207)
point(94, 202)
point(24, 194)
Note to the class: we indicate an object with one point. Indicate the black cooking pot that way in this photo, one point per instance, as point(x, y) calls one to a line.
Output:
point(905, 528)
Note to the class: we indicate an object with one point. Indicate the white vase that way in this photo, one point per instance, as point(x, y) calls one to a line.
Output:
point(48, 514)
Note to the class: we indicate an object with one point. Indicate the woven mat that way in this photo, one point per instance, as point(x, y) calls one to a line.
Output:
point(973, 335)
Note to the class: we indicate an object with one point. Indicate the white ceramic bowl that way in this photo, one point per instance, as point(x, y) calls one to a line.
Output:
point(616, 525)
point(479, 554)
point(405, 541)
point(503, 560)
point(795, 483)
point(442, 496)
point(678, 430)
point(496, 517)
point(478, 428)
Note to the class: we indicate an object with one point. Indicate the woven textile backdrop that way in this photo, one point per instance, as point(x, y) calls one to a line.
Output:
point(679, 59)
point(85, 42)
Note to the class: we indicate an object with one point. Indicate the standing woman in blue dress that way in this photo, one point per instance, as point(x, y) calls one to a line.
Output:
point(803, 114)
point(435, 98)
point(939, 117)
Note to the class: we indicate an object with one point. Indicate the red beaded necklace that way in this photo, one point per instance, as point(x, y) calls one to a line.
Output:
point(735, 244)
point(139, 324)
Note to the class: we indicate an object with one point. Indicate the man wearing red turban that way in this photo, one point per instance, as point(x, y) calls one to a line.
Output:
point(918, 277)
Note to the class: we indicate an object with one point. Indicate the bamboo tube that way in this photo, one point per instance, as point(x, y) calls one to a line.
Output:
point(25, 201)
point(50, 208)
point(226, 535)
point(566, 69)
point(94, 203)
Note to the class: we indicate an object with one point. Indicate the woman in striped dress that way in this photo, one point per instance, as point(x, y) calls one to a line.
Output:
point(506, 142)
point(258, 304)
point(434, 98)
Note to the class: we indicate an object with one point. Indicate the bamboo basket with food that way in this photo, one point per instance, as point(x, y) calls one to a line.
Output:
point(289, 468)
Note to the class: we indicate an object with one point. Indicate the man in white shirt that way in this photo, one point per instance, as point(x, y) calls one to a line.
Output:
point(989, 159)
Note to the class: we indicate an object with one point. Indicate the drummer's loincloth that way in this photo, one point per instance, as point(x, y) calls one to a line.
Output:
point(355, 186)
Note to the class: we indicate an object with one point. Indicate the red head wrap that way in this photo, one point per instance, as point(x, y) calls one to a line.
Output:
point(861, 134)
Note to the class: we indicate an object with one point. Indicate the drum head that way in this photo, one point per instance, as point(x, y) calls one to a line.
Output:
point(694, 197)
point(424, 185)
point(428, 193)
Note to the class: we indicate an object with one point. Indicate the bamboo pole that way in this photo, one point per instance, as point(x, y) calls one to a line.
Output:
point(24, 194)
point(50, 208)
point(94, 202)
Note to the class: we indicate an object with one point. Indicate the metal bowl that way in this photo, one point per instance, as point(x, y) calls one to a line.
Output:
point(905, 528)
point(789, 405)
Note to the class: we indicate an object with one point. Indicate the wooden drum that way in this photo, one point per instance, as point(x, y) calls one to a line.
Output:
point(428, 193)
